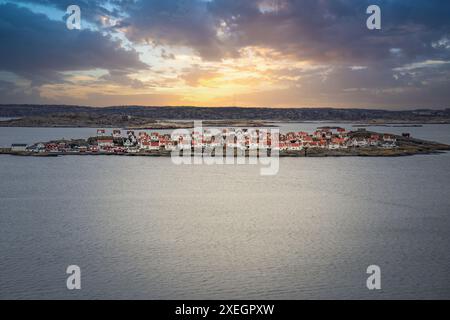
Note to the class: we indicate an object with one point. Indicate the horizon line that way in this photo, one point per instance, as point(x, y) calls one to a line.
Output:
point(227, 107)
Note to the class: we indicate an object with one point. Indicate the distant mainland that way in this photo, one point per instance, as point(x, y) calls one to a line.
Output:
point(159, 118)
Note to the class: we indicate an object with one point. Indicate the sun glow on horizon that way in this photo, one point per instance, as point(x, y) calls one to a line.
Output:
point(270, 53)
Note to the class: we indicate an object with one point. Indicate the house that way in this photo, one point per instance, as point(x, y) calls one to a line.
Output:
point(144, 145)
point(117, 134)
point(62, 146)
point(40, 147)
point(319, 134)
point(290, 136)
point(101, 132)
point(283, 146)
point(163, 140)
point(302, 134)
point(155, 137)
point(51, 147)
point(374, 140)
point(342, 132)
point(105, 142)
point(360, 143)
point(143, 135)
point(338, 143)
point(128, 143)
point(18, 147)
point(170, 146)
point(295, 146)
point(389, 138)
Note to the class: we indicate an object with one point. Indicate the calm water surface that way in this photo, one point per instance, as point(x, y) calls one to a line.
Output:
point(147, 229)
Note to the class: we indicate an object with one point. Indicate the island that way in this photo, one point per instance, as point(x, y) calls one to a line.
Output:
point(324, 142)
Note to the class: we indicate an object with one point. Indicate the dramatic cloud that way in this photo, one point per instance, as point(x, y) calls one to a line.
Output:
point(37, 48)
point(309, 29)
point(221, 52)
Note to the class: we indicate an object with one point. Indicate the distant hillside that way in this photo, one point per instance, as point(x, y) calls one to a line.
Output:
point(228, 113)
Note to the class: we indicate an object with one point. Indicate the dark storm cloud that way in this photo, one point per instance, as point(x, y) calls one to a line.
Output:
point(325, 30)
point(38, 49)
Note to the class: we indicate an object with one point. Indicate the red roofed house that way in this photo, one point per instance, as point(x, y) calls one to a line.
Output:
point(295, 146)
point(105, 143)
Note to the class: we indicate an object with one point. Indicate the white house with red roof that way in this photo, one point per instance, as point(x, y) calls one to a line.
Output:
point(105, 143)
point(154, 146)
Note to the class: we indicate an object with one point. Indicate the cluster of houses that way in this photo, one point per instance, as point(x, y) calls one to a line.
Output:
point(334, 139)
point(243, 139)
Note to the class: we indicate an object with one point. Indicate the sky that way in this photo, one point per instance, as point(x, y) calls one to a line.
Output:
point(249, 53)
